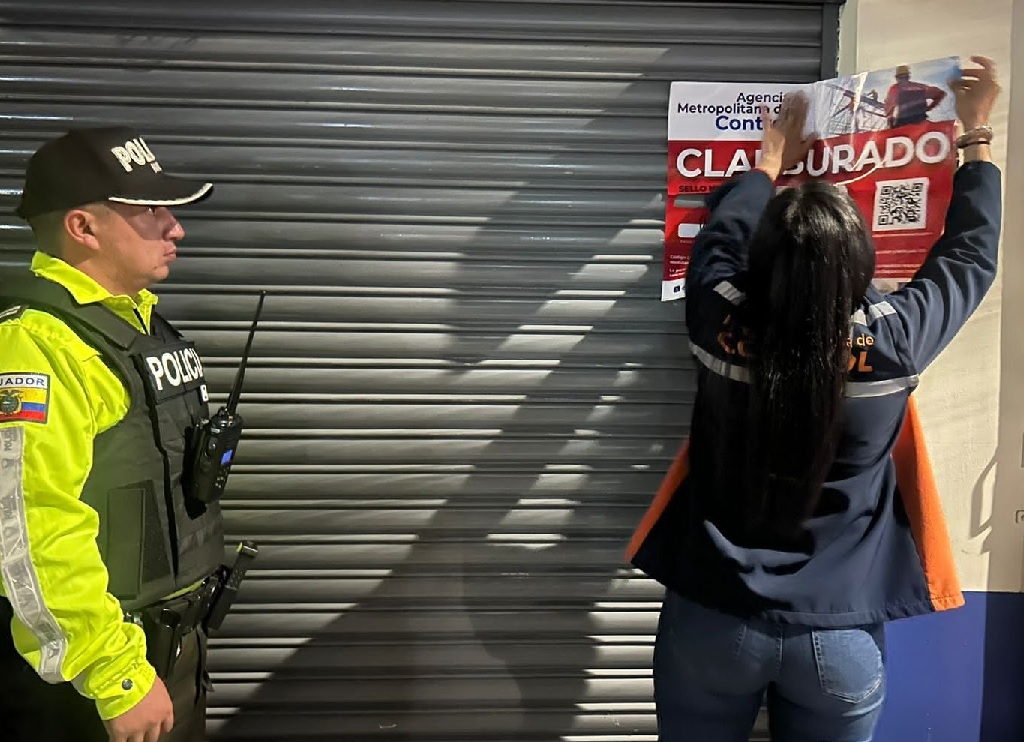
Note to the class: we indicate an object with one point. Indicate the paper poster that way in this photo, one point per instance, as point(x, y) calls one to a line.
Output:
point(885, 136)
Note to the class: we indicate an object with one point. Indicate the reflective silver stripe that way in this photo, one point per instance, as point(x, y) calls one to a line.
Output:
point(881, 388)
point(881, 309)
point(854, 389)
point(720, 367)
point(730, 292)
point(21, 583)
point(877, 311)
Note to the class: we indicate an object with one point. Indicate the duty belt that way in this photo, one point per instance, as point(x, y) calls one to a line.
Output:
point(168, 622)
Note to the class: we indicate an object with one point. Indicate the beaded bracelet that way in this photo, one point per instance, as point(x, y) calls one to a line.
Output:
point(978, 135)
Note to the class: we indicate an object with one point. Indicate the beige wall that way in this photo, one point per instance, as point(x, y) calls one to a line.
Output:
point(972, 398)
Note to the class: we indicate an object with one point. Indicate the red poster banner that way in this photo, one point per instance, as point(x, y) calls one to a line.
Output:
point(884, 136)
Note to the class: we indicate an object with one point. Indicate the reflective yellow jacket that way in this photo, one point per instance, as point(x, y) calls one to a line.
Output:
point(56, 395)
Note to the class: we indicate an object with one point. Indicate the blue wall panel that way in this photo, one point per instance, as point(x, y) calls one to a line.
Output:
point(958, 676)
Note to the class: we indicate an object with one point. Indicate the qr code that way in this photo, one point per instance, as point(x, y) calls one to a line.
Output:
point(900, 204)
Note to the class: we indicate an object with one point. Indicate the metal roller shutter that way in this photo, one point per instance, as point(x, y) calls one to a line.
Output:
point(465, 389)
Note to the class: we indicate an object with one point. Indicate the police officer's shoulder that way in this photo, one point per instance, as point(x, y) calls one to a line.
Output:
point(29, 326)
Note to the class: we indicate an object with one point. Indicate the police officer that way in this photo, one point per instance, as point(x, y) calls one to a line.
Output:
point(101, 545)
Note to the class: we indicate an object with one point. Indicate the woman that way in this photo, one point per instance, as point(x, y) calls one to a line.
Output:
point(788, 543)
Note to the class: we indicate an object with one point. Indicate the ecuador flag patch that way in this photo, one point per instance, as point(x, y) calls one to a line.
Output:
point(24, 397)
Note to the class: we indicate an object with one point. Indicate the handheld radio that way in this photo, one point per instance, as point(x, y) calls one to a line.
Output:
point(217, 438)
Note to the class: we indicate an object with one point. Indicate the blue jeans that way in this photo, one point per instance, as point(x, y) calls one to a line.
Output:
point(711, 672)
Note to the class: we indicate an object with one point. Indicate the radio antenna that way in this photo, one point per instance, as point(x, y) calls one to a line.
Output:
point(236, 390)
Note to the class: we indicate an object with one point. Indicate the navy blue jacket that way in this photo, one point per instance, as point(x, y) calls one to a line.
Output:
point(863, 560)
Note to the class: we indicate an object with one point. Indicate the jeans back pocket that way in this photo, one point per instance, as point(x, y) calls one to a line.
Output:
point(851, 662)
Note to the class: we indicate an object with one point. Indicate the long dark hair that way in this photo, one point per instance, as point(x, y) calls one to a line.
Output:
point(811, 259)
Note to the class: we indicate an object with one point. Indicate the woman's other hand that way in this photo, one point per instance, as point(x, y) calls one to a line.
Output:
point(783, 145)
point(976, 92)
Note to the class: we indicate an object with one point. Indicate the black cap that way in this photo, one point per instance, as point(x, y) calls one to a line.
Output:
point(111, 163)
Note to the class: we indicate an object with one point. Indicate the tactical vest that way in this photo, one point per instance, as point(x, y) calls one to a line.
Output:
point(153, 539)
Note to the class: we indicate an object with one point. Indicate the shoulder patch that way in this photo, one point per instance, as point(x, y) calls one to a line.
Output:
point(24, 397)
point(12, 312)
